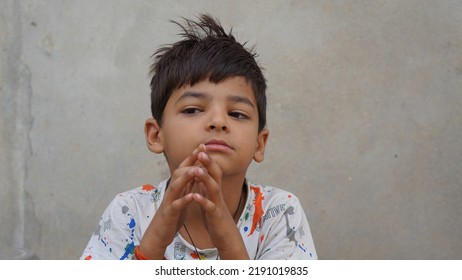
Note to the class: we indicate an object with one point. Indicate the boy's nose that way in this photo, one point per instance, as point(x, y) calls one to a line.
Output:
point(218, 122)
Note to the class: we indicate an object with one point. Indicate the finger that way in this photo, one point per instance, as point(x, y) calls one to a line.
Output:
point(212, 167)
point(180, 184)
point(206, 205)
point(180, 204)
point(202, 148)
point(189, 187)
point(209, 188)
point(190, 160)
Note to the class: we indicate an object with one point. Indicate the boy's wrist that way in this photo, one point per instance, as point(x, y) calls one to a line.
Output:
point(143, 252)
point(139, 255)
point(233, 249)
point(152, 246)
point(234, 253)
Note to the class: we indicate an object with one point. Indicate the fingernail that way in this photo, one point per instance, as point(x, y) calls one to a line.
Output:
point(203, 155)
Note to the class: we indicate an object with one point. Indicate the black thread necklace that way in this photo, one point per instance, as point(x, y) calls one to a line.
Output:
point(234, 218)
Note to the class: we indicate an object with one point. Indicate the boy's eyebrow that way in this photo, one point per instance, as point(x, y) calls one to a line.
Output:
point(201, 95)
point(194, 94)
point(241, 99)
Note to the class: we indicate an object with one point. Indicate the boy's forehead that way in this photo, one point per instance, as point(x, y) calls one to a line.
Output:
point(237, 86)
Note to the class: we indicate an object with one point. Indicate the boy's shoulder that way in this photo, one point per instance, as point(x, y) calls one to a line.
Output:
point(270, 194)
point(148, 192)
point(256, 192)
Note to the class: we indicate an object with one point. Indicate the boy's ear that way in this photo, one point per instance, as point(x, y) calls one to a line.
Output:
point(153, 136)
point(262, 140)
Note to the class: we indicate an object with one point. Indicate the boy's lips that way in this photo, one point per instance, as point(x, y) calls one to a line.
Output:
point(218, 145)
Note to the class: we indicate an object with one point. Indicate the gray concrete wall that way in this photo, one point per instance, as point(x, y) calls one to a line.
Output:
point(365, 114)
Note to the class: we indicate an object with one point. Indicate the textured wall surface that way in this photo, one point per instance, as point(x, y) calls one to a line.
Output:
point(365, 115)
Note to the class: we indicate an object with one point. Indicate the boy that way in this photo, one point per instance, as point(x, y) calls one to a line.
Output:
point(209, 120)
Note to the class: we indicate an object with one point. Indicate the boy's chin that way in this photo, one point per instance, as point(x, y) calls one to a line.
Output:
point(228, 168)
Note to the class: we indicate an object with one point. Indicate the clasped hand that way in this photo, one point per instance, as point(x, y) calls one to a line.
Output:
point(198, 178)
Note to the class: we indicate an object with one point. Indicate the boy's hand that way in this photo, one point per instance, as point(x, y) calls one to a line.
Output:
point(172, 211)
point(216, 216)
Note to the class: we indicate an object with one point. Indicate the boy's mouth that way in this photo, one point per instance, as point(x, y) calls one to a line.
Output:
point(218, 145)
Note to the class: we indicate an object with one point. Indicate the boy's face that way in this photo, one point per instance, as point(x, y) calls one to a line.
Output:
point(222, 116)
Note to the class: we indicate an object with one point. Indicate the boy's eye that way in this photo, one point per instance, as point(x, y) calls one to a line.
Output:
point(190, 111)
point(238, 115)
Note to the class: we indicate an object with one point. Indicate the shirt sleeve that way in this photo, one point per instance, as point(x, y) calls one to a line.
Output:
point(115, 236)
point(289, 237)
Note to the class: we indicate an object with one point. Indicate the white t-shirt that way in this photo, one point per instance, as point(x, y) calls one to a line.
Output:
point(273, 226)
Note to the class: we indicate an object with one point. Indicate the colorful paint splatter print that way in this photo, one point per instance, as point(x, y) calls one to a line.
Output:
point(273, 226)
